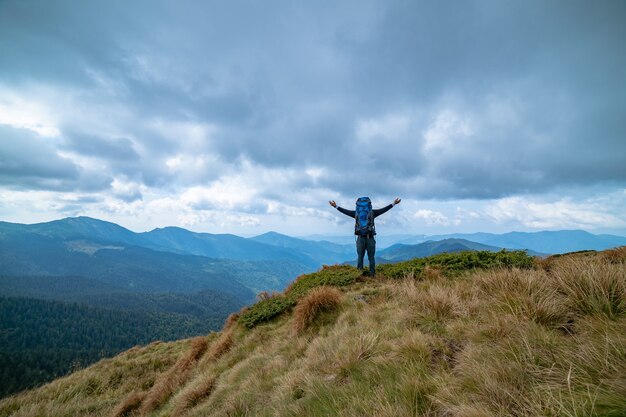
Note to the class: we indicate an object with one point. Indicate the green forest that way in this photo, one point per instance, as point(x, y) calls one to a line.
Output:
point(43, 339)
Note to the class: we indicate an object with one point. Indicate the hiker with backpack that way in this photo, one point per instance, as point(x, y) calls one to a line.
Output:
point(364, 228)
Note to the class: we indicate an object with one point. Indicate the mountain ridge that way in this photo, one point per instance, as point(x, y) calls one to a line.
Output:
point(403, 252)
point(550, 241)
point(323, 252)
point(169, 239)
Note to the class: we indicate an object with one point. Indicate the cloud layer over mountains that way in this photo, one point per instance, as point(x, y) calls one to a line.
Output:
point(251, 115)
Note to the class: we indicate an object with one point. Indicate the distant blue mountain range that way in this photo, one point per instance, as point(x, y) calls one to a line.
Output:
point(549, 242)
point(165, 259)
point(176, 259)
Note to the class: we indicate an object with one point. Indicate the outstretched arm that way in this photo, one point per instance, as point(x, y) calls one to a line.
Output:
point(378, 212)
point(349, 213)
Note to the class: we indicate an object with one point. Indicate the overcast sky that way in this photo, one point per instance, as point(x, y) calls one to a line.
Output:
point(248, 116)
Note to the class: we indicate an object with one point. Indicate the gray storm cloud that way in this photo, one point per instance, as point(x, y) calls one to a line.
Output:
point(28, 161)
point(442, 100)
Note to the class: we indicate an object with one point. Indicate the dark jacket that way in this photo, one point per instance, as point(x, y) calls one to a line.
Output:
point(377, 212)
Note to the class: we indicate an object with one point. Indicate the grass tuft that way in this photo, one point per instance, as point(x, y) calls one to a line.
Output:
point(317, 300)
point(222, 344)
point(230, 321)
point(527, 294)
point(439, 303)
point(174, 377)
point(592, 287)
point(615, 256)
point(129, 404)
point(194, 394)
point(431, 273)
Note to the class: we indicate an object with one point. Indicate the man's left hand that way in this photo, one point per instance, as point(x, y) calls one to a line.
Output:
point(396, 201)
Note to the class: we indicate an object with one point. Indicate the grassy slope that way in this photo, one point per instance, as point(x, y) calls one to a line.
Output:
point(543, 341)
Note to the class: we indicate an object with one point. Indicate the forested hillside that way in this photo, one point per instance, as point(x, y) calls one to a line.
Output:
point(41, 340)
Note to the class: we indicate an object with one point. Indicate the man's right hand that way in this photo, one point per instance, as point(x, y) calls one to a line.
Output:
point(332, 203)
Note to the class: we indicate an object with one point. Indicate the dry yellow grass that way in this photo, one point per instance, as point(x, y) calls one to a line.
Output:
point(439, 302)
point(317, 300)
point(617, 255)
point(431, 273)
point(131, 403)
point(174, 377)
point(97, 390)
point(193, 394)
point(591, 287)
point(222, 344)
point(230, 321)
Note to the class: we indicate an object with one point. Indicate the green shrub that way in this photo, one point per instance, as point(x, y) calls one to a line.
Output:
point(332, 276)
point(335, 276)
point(266, 310)
point(453, 263)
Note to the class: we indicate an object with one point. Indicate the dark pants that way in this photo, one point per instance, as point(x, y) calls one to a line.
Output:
point(364, 243)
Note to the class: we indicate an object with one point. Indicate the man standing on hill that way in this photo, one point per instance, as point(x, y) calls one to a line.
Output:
point(364, 228)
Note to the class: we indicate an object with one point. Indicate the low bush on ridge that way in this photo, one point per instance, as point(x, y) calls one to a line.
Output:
point(453, 263)
point(334, 276)
point(266, 310)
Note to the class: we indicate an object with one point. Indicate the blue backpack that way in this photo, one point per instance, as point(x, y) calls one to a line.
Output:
point(364, 216)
